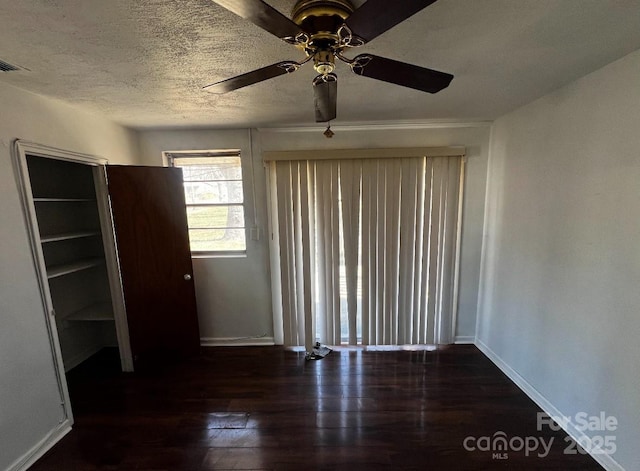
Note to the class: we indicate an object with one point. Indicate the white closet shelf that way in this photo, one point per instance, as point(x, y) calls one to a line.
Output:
point(95, 312)
point(68, 236)
point(62, 200)
point(61, 270)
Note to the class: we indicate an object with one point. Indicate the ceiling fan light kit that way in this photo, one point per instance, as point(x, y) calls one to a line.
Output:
point(324, 30)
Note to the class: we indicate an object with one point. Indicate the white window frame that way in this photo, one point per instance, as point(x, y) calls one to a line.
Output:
point(169, 158)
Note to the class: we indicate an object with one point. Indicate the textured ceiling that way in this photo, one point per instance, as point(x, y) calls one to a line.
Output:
point(142, 63)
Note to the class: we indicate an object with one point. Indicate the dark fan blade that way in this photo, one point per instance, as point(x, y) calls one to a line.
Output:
point(255, 76)
point(325, 92)
point(400, 73)
point(263, 15)
point(375, 17)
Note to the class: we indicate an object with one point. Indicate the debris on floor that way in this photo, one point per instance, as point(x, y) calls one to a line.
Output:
point(318, 352)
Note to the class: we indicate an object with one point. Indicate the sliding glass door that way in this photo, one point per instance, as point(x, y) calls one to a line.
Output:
point(366, 249)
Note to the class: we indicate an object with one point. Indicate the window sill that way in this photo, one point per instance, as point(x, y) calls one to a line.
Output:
point(200, 255)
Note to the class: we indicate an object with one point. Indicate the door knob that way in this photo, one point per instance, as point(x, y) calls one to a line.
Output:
point(187, 277)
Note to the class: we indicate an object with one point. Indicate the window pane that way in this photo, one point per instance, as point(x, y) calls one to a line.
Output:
point(201, 217)
point(211, 240)
point(213, 192)
point(209, 168)
point(214, 197)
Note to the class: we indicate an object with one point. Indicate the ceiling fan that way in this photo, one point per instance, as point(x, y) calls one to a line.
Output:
point(324, 30)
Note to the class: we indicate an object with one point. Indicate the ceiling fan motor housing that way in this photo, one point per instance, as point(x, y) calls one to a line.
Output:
point(322, 19)
point(321, 16)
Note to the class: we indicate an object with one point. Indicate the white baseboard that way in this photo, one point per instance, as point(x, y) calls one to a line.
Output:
point(25, 461)
point(464, 339)
point(604, 460)
point(236, 341)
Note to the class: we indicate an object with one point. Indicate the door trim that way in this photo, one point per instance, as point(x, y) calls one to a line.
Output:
point(21, 149)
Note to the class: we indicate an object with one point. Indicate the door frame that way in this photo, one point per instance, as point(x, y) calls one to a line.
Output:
point(21, 149)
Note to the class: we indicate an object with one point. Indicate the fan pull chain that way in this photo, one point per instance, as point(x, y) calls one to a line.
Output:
point(328, 133)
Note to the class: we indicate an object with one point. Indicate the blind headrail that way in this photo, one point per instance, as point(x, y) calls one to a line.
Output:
point(202, 153)
point(346, 154)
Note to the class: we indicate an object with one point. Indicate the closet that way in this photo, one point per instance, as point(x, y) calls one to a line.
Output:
point(111, 250)
point(73, 249)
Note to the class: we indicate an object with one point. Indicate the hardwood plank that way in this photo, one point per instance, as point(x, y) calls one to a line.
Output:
point(266, 408)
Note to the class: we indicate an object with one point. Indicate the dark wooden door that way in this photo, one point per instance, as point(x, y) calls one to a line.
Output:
point(150, 224)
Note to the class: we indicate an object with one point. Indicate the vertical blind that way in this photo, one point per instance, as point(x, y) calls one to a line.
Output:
point(366, 249)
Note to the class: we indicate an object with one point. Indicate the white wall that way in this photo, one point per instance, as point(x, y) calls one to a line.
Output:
point(234, 294)
point(561, 262)
point(29, 396)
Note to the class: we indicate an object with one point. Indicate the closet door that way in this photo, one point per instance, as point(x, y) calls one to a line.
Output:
point(150, 224)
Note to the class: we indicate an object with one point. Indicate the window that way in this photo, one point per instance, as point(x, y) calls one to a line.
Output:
point(214, 197)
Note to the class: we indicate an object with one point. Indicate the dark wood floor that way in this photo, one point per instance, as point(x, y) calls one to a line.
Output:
point(265, 408)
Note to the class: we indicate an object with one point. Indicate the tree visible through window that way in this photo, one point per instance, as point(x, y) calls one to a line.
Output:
point(214, 198)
